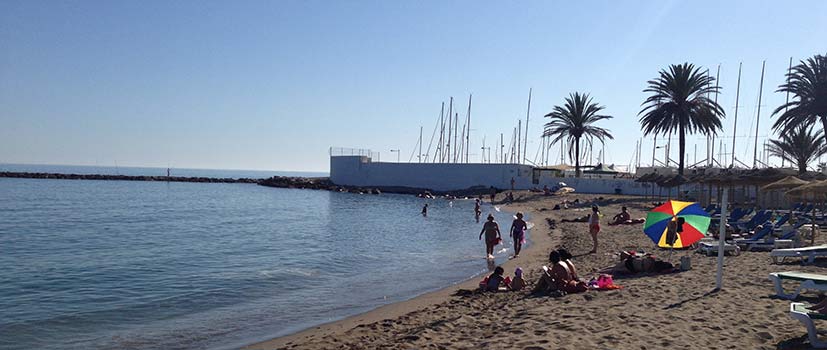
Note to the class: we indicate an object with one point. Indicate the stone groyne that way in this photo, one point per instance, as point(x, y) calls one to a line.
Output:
point(25, 175)
point(310, 183)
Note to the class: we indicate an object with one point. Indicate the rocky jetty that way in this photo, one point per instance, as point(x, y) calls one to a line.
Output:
point(25, 175)
point(308, 183)
point(314, 183)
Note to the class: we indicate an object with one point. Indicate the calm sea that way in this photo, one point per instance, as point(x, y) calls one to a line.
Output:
point(156, 265)
point(137, 171)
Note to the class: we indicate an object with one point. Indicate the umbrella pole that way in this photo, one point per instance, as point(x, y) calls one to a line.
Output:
point(719, 279)
point(813, 225)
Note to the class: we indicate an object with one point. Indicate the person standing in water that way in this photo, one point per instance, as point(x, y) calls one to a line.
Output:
point(477, 209)
point(594, 226)
point(425, 210)
point(492, 234)
point(518, 227)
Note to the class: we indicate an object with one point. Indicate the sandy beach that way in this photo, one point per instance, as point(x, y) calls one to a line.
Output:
point(677, 310)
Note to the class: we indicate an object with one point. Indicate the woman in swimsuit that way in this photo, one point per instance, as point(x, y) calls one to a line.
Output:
point(518, 227)
point(492, 233)
point(594, 227)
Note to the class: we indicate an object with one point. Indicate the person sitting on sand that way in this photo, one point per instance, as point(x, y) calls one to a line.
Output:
point(558, 277)
point(546, 191)
point(518, 283)
point(565, 258)
point(495, 280)
point(518, 228)
point(492, 235)
point(566, 280)
point(624, 218)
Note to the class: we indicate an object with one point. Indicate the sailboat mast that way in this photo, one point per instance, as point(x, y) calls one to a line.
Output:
point(758, 117)
point(502, 149)
point(735, 125)
point(457, 149)
point(450, 128)
point(789, 70)
point(420, 144)
point(468, 136)
point(543, 153)
point(654, 147)
point(519, 132)
point(717, 77)
point(439, 147)
point(527, 112)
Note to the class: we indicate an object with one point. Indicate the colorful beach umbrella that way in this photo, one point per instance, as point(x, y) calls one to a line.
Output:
point(696, 222)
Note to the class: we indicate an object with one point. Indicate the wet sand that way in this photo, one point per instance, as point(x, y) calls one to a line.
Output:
point(678, 310)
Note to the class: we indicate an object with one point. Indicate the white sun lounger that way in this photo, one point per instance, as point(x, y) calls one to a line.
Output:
point(800, 312)
point(809, 253)
point(710, 248)
point(811, 281)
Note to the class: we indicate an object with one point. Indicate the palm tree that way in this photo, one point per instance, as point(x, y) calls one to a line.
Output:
point(799, 146)
point(808, 83)
point(573, 121)
point(679, 103)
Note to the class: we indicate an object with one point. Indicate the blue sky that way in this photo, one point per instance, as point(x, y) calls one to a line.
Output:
point(273, 84)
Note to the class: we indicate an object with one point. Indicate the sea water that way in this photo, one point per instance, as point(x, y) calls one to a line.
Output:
point(145, 171)
point(157, 265)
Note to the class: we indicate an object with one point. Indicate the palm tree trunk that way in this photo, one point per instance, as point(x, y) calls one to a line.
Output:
point(802, 166)
point(577, 157)
point(682, 146)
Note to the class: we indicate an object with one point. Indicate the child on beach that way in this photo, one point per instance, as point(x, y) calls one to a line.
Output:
point(518, 283)
point(495, 280)
point(594, 227)
point(518, 227)
point(492, 235)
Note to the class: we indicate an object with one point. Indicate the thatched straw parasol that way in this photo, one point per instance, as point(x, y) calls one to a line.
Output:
point(818, 189)
point(785, 183)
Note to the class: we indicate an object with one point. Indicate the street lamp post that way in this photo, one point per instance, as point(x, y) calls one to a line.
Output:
point(397, 154)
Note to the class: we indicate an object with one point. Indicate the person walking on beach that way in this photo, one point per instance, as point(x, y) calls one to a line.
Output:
point(518, 227)
point(477, 209)
point(425, 210)
point(594, 226)
point(492, 235)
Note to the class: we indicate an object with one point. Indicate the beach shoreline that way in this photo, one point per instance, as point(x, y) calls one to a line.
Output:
point(651, 311)
point(540, 243)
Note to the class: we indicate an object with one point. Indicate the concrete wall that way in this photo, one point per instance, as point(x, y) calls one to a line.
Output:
point(362, 171)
